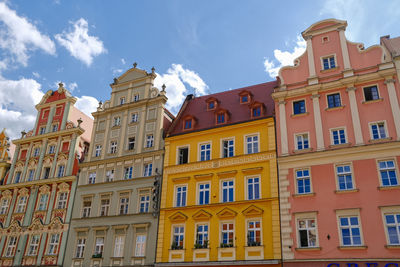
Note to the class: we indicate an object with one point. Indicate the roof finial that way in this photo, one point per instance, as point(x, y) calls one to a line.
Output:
point(60, 87)
point(163, 88)
point(115, 80)
point(153, 70)
point(134, 65)
point(79, 122)
point(23, 133)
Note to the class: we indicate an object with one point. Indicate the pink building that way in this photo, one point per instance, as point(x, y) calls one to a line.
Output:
point(338, 134)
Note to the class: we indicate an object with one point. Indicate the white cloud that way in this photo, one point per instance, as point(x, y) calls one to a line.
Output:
point(36, 74)
point(80, 44)
point(117, 71)
point(175, 80)
point(72, 86)
point(87, 104)
point(18, 36)
point(123, 61)
point(284, 58)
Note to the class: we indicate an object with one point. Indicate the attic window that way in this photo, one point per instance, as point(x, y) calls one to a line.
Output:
point(245, 97)
point(221, 116)
point(188, 122)
point(257, 110)
point(211, 103)
point(325, 39)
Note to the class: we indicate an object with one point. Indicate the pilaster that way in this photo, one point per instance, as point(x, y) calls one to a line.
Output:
point(65, 115)
point(11, 208)
point(28, 156)
point(283, 128)
point(51, 203)
point(54, 163)
point(42, 153)
point(318, 122)
point(2, 241)
point(41, 249)
point(310, 57)
point(124, 126)
point(50, 118)
point(71, 202)
point(106, 134)
point(71, 155)
point(63, 245)
point(354, 116)
point(15, 157)
point(19, 252)
point(31, 206)
point(345, 51)
point(394, 104)
point(141, 130)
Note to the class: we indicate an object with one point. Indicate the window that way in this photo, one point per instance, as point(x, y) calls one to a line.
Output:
point(99, 247)
point(183, 155)
point(228, 148)
point(299, 107)
point(201, 236)
point(62, 200)
point(227, 191)
point(87, 206)
point(36, 152)
point(211, 105)
point(122, 100)
point(244, 99)
point(113, 147)
point(144, 203)
point(387, 171)
point(378, 130)
point(148, 168)
point(204, 194)
point(140, 247)
point(371, 93)
point(80, 247)
point(43, 201)
point(256, 111)
point(54, 128)
point(97, 151)
point(31, 174)
point(345, 181)
point(253, 188)
point(117, 121)
point(128, 172)
point(110, 175)
point(392, 222)
point(52, 149)
point(4, 206)
point(302, 141)
point(149, 140)
point(220, 118)
point(187, 124)
point(46, 173)
point(338, 136)
point(307, 233)
point(53, 244)
point(181, 196)
point(303, 181)
point(334, 100)
point(135, 117)
point(12, 243)
point(252, 144)
point(253, 233)
point(350, 231)
point(119, 246)
point(136, 97)
point(17, 177)
point(42, 130)
point(329, 62)
point(205, 152)
point(33, 245)
point(92, 178)
point(21, 204)
point(131, 143)
point(123, 204)
point(104, 206)
point(227, 234)
point(178, 237)
point(60, 172)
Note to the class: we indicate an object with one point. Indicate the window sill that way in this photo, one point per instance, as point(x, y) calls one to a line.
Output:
point(346, 191)
point(372, 101)
point(304, 195)
point(300, 151)
point(115, 127)
point(335, 108)
point(329, 70)
point(133, 123)
point(299, 115)
point(352, 247)
point(308, 249)
point(380, 140)
point(392, 246)
point(340, 145)
point(389, 187)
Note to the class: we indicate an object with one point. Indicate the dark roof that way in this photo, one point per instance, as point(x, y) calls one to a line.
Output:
point(227, 100)
point(392, 44)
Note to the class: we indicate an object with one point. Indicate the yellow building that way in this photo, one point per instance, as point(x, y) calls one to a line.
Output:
point(4, 154)
point(219, 198)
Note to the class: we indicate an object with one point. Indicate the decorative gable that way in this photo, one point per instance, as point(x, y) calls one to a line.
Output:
point(202, 215)
point(178, 217)
point(226, 213)
point(252, 211)
point(131, 74)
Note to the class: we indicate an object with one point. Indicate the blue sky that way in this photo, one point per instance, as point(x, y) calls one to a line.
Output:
point(196, 46)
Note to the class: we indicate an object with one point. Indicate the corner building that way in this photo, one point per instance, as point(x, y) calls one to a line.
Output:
point(114, 222)
point(37, 195)
point(338, 121)
point(219, 202)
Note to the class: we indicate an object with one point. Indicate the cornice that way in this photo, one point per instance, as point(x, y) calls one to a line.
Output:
point(50, 135)
point(39, 182)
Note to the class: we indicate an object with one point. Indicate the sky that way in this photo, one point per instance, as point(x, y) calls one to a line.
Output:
point(196, 47)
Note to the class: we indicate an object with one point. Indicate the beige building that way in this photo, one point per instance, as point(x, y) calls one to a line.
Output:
point(114, 220)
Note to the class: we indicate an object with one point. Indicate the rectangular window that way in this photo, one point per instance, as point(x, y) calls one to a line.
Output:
point(98, 249)
point(33, 245)
point(188, 124)
point(302, 141)
point(87, 207)
point(110, 175)
point(303, 181)
point(140, 248)
point(307, 233)
point(131, 143)
point(329, 63)
point(149, 140)
point(228, 148)
point(119, 243)
point(12, 243)
point(43, 201)
point(97, 151)
point(42, 130)
point(62, 200)
point(104, 206)
point(92, 178)
point(344, 177)
point(181, 196)
point(205, 152)
point(204, 194)
point(148, 169)
point(227, 191)
point(371, 93)
point(256, 111)
point(54, 128)
point(201, 236)
point(253, 233)
point(117, 121)
point(21, 204)
point(252, 144)
point(80, 247)
point(46, 173)
point(334, 100)
point(136, 97)
point(221, 118)
point(183, 155)
point(113, 147)
point(178, 237)
point(36, 152)
point(60, 172)
point(253, 188)
point(17, 177)
point(350, 231)
point(392, 222)
point(135, 117)
point(128, 173)
point(338, 136)
point(144, 203)
point(299, 107)
point(123, 205)
point(227, 235)
point(4, 206)
point(31, 174)
point(378, 130)
point(388, 174)
point(52, 149)
point(122, 100)
point(53, 244)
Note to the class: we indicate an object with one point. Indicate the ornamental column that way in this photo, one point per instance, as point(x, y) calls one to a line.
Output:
point(318, 122)
point(282, 127)
point(354, 115)
point(15, 157)
point(394, 104)
point(71, 155)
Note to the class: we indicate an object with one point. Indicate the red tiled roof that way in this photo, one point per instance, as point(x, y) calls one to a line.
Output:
point(392, 44)
point(227, 100)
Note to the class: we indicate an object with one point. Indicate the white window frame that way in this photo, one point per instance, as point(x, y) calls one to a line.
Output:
point(395, 211)
point(147, 169)
point(105, 208)
point(92, 178)
point(134, 117)
point(178, 148)
point(122, 100)
point(229, 146)
point(80, 247)
point(136, 97)
point(344, 173)
point(53, 244)
point(116, 121)
point(31, 175)
point(140, 245)
point(204, 190)
point(296, 178)
point(256, 219)
point(123, 205)
point(36, 152)
point(5, 204)
point(328, 56)
point(205, 151)
point(131, 141)
point(52, 149)
point(227, 188)
point(306, 216)
point(349, 213)
point(86, 210)
point(302, 135)
point(42, 205)
point(11, 246)
point(42, 130)
point(62, 202)
point(33, 246)
point(180, 234)
point(252, 142)
point(61, 170)
point(99, 246)
point(54, 127)
point(97, 152)
point(253, 187)
point(113, 147)
point(181, 204)
point(338, 129)
point(119, 246)
point(377, 89)
point(128, 172)
point(377, 124)
point(21, 205)
point(334, 93)
point(149, 140)
point(205, 234)
point(145, 202)
point(221, 225)
point(395, 169)
point(110, 175)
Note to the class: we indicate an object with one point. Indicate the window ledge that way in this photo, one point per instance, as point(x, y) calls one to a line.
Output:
point(299, 115)
point(346, 191)
point(329, 70)
point(392, 246)
point(340, 145)
point(352, 247)
point(116, 127)
point(372, 101)
point(138, 257)
point(308, 249)
point(335, 108)
point(388, 187)
point(304, 195)
point(380, 140)
point(133, 123)
point(300, 151)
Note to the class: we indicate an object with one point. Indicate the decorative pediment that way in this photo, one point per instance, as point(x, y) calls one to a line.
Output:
point(32, 162)
point(69, 125)
point(226, 213)
point(252, 211)
point(23, 191)
point(15, 227)
point(36, 225)
point(19, 164)
point(44, 189)
point(56, 225)
point(47, 160)
point(6, 194)
point(178, 216)
point(202, 215)
point(29, 134)
point(63, 187)
point(131, 74)
point(62, 156)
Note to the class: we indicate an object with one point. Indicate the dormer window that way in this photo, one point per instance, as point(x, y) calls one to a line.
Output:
point(188, 122)
point(245, 97)
point(257, 109)
point(212, 103)
point(221, 116)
